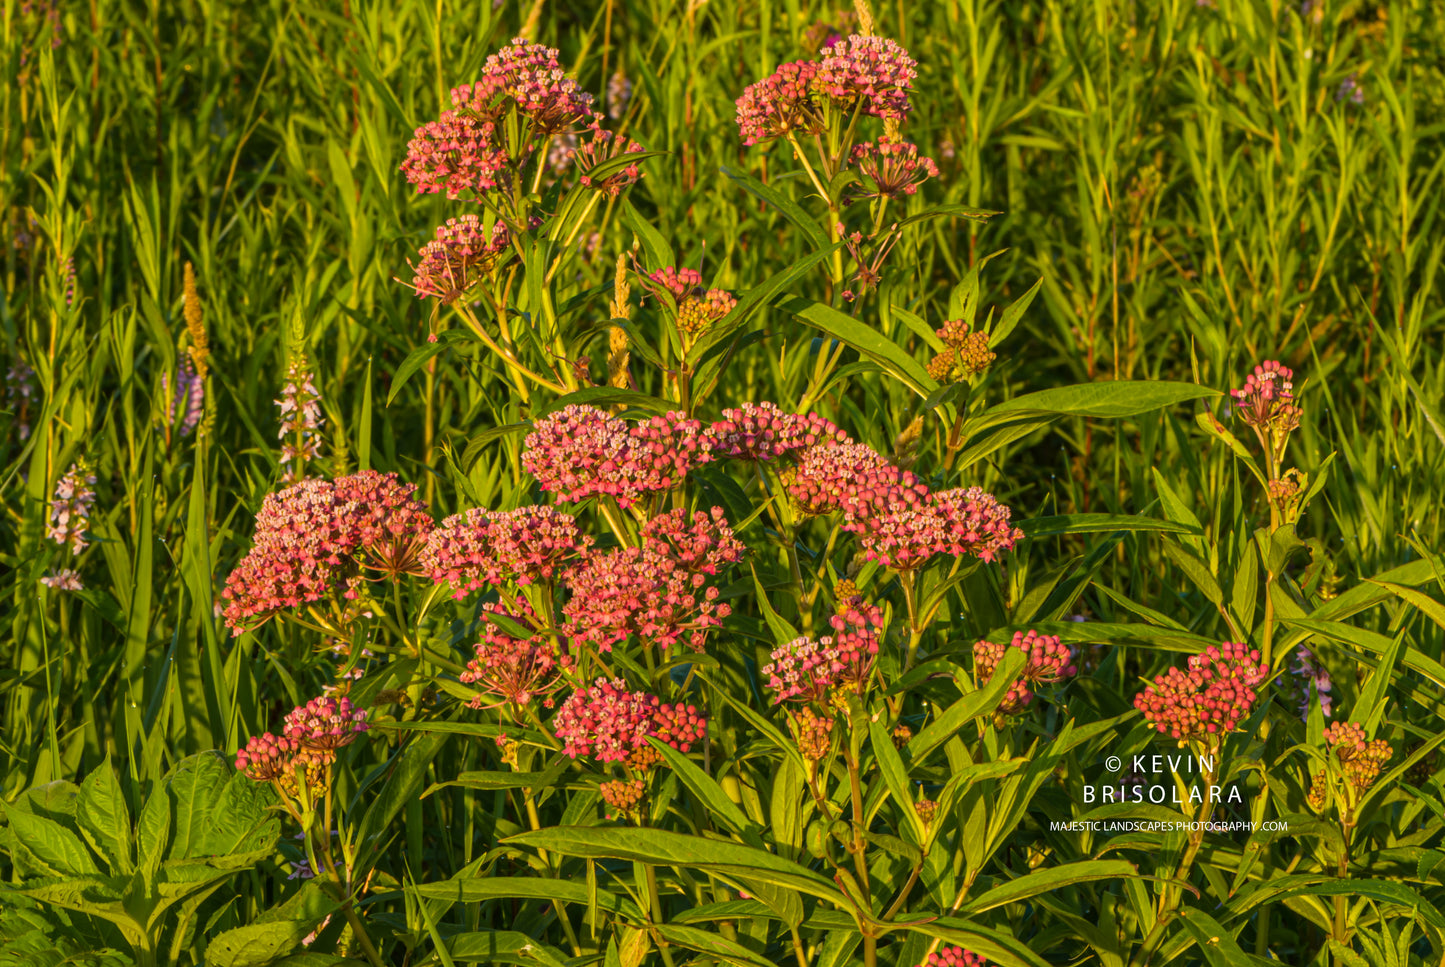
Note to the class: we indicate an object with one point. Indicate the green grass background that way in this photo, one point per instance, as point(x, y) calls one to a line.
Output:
point(1183, 177)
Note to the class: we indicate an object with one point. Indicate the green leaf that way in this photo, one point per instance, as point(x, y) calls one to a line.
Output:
point(414, 361)
point(895, 775)
point(1432, 609)
point(1048, 880)
point(751, 300)
point(58, 849)
point(791, 210)
point(153, 833)
point(503, 947)
point(1381, 891)
point(1211, 425)
point(657, 253)
point(241, 820)
point(476, 889)
point(974, 705)
point(1108, 399)
point(405, 775)
point(1217, 944)
point(1196, 570)
point(867, 340)
point(256, 944)
point(707, 942)
point(478, 443)
point(708, 792)
point(1011, 316)
point(1370, 706)
point(997, 947)
point(194, 787)
point(664, 848)
point(104, 818)
point(1100, 524)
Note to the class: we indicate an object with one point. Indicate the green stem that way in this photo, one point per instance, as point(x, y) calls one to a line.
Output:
point(654, 902)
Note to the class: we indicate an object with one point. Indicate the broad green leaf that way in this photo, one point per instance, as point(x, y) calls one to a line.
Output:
point(194, 787)
point(503, 947)
point(242, 821)
point(256, 944)
point(58, 849)
point(104, 818)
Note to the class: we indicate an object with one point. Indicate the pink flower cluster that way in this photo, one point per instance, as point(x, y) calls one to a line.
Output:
point(581, 451)
point(853, 478)
point(954, 957)
point(1049, 662)
point(511, 669)
point(459, 257)
point(954, 522)
point(697, 309)
point(871, 73)
point(529, 77)
point(699, 542)
point(481, 547)
point(762, 432)
point(325, 724)
point(610, 723)
point(1209, 698)
point(605, 146)
point(784, 103)
point(457, 152)
point(267, 757)
point(894, 167)
point(809, 670)
point(388, 524)
point(313, 537)
point(1267, 399)
point(70, 508)
point(523, 94)
point(867, 74)
point(643, 591)
point(308, 742)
